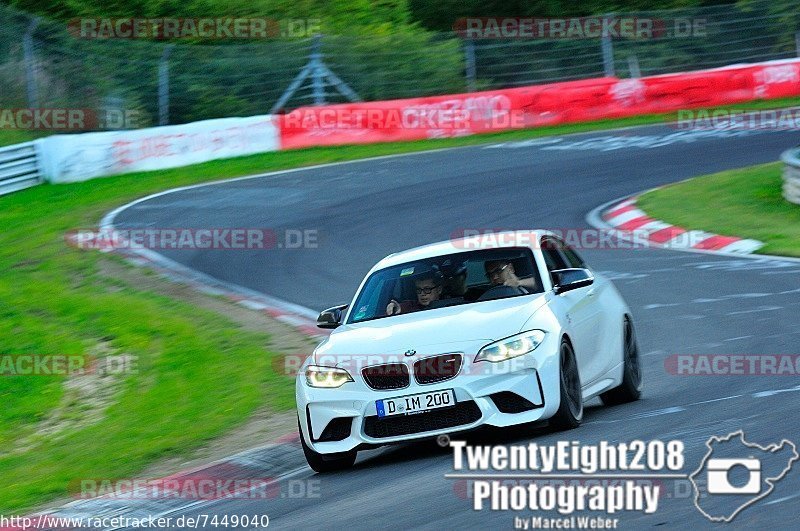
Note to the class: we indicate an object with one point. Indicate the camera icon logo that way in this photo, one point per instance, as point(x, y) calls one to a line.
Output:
point(719, 476)
point(735, 474)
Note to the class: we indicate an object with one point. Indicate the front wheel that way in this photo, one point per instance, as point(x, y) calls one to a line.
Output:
point(631, 387)
point(326, 462)
point(570, 411)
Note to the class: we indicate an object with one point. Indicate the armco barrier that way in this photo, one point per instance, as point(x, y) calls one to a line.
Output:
point(791, 175)
point(556, 103)
point(19, 167)
point(69, 158)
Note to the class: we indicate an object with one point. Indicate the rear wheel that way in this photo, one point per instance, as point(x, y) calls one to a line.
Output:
point(326, 462)
point(570, 411)
point(631, 387)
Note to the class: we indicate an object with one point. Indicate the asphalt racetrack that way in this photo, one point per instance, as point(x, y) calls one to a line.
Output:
point(682, 303)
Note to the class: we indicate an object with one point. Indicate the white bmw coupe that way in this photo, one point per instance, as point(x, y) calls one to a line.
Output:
point(469, 332)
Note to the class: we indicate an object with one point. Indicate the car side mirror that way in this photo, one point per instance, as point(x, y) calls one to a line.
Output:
point(332, 317)
point(569, 279)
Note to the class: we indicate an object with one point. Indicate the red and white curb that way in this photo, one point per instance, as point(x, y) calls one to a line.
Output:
point(633, 223)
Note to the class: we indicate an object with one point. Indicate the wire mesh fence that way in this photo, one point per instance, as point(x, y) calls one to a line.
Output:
point(42, 64)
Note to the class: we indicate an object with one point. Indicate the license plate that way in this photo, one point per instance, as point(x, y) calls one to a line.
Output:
point(405, 405)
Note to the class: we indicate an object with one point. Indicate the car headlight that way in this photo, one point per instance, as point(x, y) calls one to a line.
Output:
point(318, 376)
point(511, 347)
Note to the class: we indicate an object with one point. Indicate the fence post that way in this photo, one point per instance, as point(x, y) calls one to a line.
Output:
point(608, 53)
point(633, 67)
point(163, 86)
point(469, 63)
point(30, 65)
point(317, 71)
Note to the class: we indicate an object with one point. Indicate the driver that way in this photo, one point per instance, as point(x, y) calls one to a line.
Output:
point(501, 273)
point(428, 287)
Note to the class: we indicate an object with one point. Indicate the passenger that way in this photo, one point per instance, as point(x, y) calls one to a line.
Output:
point(501, 273)
point(428, 287)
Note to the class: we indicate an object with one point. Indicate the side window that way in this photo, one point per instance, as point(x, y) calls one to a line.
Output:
point(476, 274)
point(552, 258)
point(572, 257)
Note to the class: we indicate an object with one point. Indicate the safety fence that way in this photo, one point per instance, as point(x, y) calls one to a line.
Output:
point(67, 158)
point(45, 65)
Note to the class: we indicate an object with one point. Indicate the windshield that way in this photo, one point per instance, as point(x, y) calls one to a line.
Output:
point(448, 280)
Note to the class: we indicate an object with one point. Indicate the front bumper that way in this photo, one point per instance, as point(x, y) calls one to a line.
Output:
point(349, 413)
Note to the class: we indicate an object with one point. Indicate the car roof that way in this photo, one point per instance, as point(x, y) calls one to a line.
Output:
point(484, 240)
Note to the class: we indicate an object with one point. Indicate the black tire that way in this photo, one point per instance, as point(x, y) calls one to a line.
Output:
point(630, 389)
point(326, 462)
point(570, 410)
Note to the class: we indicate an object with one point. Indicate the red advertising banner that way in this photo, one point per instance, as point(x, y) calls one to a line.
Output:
point(534, 106)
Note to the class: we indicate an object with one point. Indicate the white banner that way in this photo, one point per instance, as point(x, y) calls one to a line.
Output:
point(71, 158)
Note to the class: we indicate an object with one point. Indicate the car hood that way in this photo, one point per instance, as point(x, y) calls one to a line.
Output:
point(434, 330)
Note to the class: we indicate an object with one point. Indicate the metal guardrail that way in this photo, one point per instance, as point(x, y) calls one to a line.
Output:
point(791, 175)
point(19, 167)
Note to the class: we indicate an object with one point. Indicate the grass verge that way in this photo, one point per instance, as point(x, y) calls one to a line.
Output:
point(745, 202)
point(8, 137)
point(198, 374)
